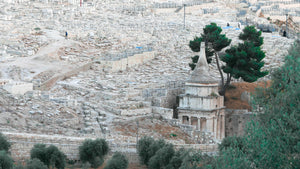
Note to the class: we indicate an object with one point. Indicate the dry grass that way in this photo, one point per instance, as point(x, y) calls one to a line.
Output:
point(233, 95)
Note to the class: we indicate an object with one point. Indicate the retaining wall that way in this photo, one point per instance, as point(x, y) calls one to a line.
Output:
point(22, 143)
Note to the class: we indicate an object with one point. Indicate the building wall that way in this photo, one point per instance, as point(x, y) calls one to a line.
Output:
point(207, 103)
point(165, 96)
point(202, 91)
point(236, 121)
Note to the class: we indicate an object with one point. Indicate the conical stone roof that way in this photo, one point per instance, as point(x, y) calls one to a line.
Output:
point(201, 73)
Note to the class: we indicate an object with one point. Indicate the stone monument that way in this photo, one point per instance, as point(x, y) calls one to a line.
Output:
point(201, 106)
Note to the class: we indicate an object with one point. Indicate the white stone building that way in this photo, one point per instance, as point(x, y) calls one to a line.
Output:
point(201, 106)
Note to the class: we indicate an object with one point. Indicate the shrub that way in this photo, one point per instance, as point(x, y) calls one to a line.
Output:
point(177, 158)
point(143, 149)
point(19, 166)
point(118, 161)
point(162, 157)
point(36, 164)
point(93, 151)
point(196, 160)
point(6, 161)
point(232, 142)
point(4, 144)
point(50, 156)
point(148, 147)
point(39, 151)
point(56, 158)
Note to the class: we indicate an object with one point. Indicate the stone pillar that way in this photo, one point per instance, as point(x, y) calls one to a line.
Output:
point(199, 124)
point(213, 125)
point(204, 124)
point(220, 127)
point(209, 124)
point(223, 126)
point(190, 120)
point(217, 127)
point(180, 118)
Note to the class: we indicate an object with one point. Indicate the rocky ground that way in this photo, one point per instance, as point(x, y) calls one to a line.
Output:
point(33, 47)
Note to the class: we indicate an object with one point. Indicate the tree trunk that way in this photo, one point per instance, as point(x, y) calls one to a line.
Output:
point(225, 86)
point(222, 91)
point(219, 68)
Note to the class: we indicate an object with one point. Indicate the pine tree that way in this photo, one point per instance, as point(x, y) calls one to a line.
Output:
point(241, 61)
point(244, 60)
point(214, 42)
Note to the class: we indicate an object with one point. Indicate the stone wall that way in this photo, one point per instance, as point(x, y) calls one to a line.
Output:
point(164, 112)
point(166, 95)
point(235, 121)
point(22, 143)
point(130, 61)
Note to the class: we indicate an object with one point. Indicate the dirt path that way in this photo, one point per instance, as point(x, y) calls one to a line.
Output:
point(46, 59)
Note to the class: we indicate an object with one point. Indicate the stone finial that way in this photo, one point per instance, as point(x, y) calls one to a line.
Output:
point(202, 62)
point(201, 73)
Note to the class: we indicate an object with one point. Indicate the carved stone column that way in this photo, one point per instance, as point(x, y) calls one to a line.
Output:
point(199, 124)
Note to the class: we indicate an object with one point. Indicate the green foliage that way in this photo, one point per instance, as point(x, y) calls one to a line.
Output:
point(118, 161)
point(232, 158)
point(19, 166)
point(272, 138)
point(213, 94)
point(37, 29)
point(6, 161)
point(148, 147)
point(195, 58)
point(162, 157)
point(50, 156)
point(196, 160)
point(214, 43)
point(143, 149)
point(39, 151)
point(212, 36)
point(192, 66)
point(56, 157)
point(4, 144)
point(277, 131)
point(244, 61)
point(250, 34)
point(195, 44)
point(241, 61)
point(195, 47)
point(232, 142)
point(93, 151)
point(36, 164)
point(177, 158)
point(173, 135)
point(86, 165)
